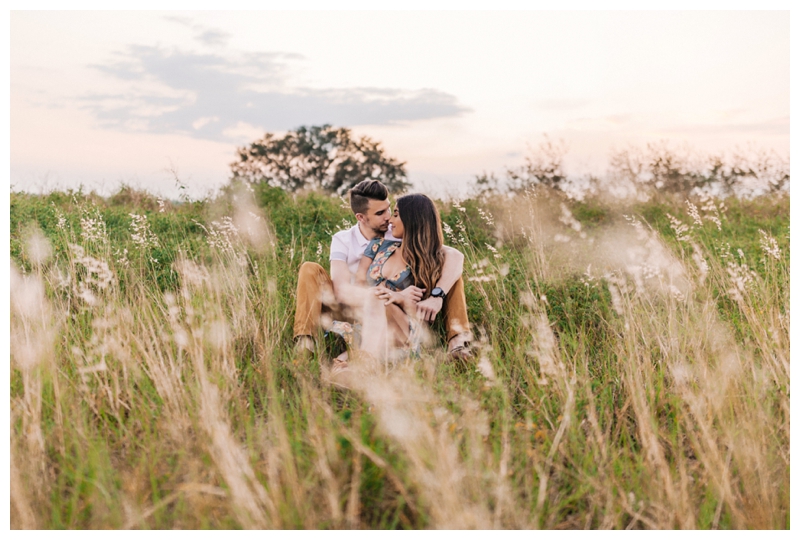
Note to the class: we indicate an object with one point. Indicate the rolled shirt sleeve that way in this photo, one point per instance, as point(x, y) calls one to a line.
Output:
point(339, 249)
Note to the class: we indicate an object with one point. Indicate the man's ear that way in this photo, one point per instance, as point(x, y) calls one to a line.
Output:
point(360, 217)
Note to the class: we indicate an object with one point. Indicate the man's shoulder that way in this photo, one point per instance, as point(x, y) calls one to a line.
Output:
point(345, 234)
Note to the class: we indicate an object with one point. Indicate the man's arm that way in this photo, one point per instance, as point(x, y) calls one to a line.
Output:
point(361, 273)
point(452, 269)
point(343, 291)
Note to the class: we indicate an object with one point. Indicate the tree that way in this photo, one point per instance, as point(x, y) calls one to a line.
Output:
point(544, 165)
point(318, 157)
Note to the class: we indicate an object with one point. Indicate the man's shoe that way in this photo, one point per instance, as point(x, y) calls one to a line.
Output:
point(304, 346)
point(460, 348)
point(461, 352)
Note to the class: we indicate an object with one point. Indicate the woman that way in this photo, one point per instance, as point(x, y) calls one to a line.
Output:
point(413, 264)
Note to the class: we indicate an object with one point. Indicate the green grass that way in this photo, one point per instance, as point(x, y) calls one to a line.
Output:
point(175, 401)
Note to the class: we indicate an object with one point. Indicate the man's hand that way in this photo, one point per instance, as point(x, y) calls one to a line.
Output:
point(407, 298)
point(429, 308)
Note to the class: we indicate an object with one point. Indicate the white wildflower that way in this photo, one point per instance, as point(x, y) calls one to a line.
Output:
point(122, 257)
point(449, 232)
point(223, 235)
point(741, 278)
point(61, 225)
point(98, 274)
point(770, 245)
point(695, 215)
point(142, 236)
point(676, 293)
point(93, 228)
point(679, 228)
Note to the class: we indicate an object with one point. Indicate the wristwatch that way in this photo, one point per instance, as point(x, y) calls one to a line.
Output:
point(437, 292)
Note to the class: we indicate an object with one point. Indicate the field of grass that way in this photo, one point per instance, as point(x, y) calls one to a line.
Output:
point(632, 370)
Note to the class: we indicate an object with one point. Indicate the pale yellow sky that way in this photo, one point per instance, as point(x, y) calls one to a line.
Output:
point(109, 97)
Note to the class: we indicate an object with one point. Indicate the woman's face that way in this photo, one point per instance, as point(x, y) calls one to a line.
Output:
point(397, 224)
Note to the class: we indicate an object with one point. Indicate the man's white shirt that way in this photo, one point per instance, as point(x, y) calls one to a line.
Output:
point(349, 246)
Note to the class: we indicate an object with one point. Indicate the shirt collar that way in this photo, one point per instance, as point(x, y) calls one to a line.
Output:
point(362, 240)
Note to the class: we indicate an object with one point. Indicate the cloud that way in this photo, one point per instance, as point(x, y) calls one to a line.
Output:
point(205, 35)
point(211, 96)
point(213, 37)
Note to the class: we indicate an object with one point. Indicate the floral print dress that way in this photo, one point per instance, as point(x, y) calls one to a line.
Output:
point(379, 250)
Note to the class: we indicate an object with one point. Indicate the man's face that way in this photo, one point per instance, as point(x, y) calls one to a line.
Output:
point(376, 218)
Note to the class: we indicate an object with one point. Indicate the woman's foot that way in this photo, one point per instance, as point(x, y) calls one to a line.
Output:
point(339, 363)
point(340, 372)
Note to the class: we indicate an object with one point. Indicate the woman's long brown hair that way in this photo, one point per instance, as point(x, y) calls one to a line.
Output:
point(422, 239)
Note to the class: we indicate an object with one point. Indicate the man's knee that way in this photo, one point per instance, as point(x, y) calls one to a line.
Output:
point(310, 270)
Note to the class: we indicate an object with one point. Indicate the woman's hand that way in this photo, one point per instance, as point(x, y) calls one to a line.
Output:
point(406, 299)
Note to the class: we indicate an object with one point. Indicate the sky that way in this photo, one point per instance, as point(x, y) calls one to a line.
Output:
point(104, 98)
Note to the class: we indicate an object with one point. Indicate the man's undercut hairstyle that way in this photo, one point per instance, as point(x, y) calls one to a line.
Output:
point(365, 190)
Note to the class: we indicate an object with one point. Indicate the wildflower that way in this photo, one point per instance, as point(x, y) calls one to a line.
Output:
point(695, 215)
point(93, 229)
point(487, 217)
point(679, 228)
point(641, 234)
point(741, 277)
point(62, 221)
point(122, 257)
point(142, 235)
point(223, 234)
point(770, 245)
point(449, 232)
point(494, 251)
point(161, 205)
point(676, 293)
point(98, 272)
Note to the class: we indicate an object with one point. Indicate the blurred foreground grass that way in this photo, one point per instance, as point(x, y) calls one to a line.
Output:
point(632, 370)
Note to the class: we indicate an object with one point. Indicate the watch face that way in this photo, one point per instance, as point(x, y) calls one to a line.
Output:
point(437, 292)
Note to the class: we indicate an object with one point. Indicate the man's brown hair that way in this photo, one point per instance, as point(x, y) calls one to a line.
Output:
point(365, 190)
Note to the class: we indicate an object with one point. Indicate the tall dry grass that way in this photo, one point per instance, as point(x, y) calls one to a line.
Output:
point(650, 391)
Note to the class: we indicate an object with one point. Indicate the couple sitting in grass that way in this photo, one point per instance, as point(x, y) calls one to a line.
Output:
point(390, 274)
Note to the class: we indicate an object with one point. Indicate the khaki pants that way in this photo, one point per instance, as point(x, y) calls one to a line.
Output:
point(315, 299)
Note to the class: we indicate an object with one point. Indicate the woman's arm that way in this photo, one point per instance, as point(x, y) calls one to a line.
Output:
point(451, 272)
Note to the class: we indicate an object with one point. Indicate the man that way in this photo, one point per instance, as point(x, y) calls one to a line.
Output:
point(320, 296)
